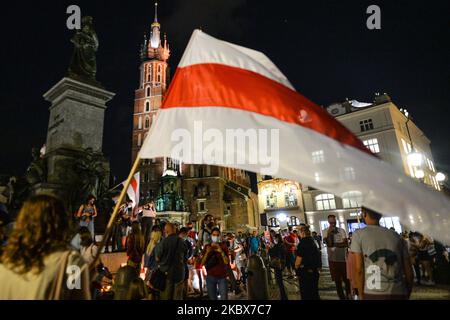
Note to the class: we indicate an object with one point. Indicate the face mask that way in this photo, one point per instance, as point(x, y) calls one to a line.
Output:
point(275, 241)
point(210, 224)
point(215, 239)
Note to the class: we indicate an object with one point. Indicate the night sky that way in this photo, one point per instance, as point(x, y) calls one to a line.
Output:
point(323, 47)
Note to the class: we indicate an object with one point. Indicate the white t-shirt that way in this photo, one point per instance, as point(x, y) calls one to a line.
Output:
point(383, 251)
point(150, 213)
point(31, 286)
point(336, 254)
point(88, 253)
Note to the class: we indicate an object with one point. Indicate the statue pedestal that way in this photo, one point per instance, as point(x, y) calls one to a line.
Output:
point(77, 115)
point(75, 130)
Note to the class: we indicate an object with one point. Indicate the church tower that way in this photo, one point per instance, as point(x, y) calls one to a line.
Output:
point(183, 192)
point(153, 82)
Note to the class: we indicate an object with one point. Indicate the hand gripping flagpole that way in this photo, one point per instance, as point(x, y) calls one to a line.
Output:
point(115, 212)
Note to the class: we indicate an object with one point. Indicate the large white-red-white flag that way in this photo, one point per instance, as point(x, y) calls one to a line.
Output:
point(133, 190)
point(231, 106)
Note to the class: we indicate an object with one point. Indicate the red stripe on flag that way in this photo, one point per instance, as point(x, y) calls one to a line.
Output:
point(134, 184)
point(217, 85)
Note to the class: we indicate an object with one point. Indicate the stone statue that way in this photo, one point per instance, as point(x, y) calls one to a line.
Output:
point(85, 41)
point(37, 171)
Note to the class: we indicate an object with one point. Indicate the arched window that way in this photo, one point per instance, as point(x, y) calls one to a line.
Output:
point(139, 140)
point(147, 123)
point(293, 221)
point(325, 201)
point(351, 199)
point(140, 123)
point(273, 222)
point(149, 73)
point(147, 106)
point(159, 74)
point(148, 91)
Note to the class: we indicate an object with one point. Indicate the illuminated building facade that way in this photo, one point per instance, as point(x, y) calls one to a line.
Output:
point(280, 202)
point(388, 132)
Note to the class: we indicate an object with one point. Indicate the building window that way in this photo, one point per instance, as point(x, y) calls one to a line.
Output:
point(139, 140)
point(148, 91)
point(202, 205)
point(391, 222)
point(146, 177)
point(290, 197)
point(149, 73)
point(372, 145)
point(147, 106)
point(325, 201)
point(271, 199)
point(152, 175)
point(191, 171)
point(208, 171)
point(366, 125)
point(318, 157)
point(430, 165)
point(351, 199)
point(293, 221)
point(201, 172)
point(408, 149)
point(140, 123)
point(159, 74)
point(349, 174)
point(147, 123)
point(273, 222)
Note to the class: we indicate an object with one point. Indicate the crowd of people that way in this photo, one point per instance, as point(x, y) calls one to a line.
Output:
point(43, 258)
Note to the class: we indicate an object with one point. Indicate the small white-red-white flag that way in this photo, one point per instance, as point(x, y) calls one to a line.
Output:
point(133, 190)
point(231, 106)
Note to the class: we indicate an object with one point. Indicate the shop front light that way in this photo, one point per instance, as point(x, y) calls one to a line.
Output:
point(281, 217)
point(420, 174)
point(440, 177)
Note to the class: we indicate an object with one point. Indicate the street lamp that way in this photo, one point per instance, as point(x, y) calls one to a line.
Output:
point(420, 174)
point(440, 177)
point(415, 159)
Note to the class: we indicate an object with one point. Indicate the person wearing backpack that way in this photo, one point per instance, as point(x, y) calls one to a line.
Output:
point(215, 259)
point(170, 258)
point(278, 255)
point(308, 264)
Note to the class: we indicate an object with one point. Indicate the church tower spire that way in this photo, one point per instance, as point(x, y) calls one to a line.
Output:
point(155, 38)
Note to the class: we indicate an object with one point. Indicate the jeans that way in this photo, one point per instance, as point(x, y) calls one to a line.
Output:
point(309, 284)
point(147, 224)
point(116, 240)
point(216, 286)
point(173, 291)
point(290, 261)
point(279, 280)
point(90, 226)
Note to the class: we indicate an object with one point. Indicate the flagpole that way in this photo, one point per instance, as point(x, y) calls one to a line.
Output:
point(115, 212)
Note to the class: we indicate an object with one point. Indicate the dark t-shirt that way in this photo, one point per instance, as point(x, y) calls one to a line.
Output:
point(174, 247)
point(310, 254)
